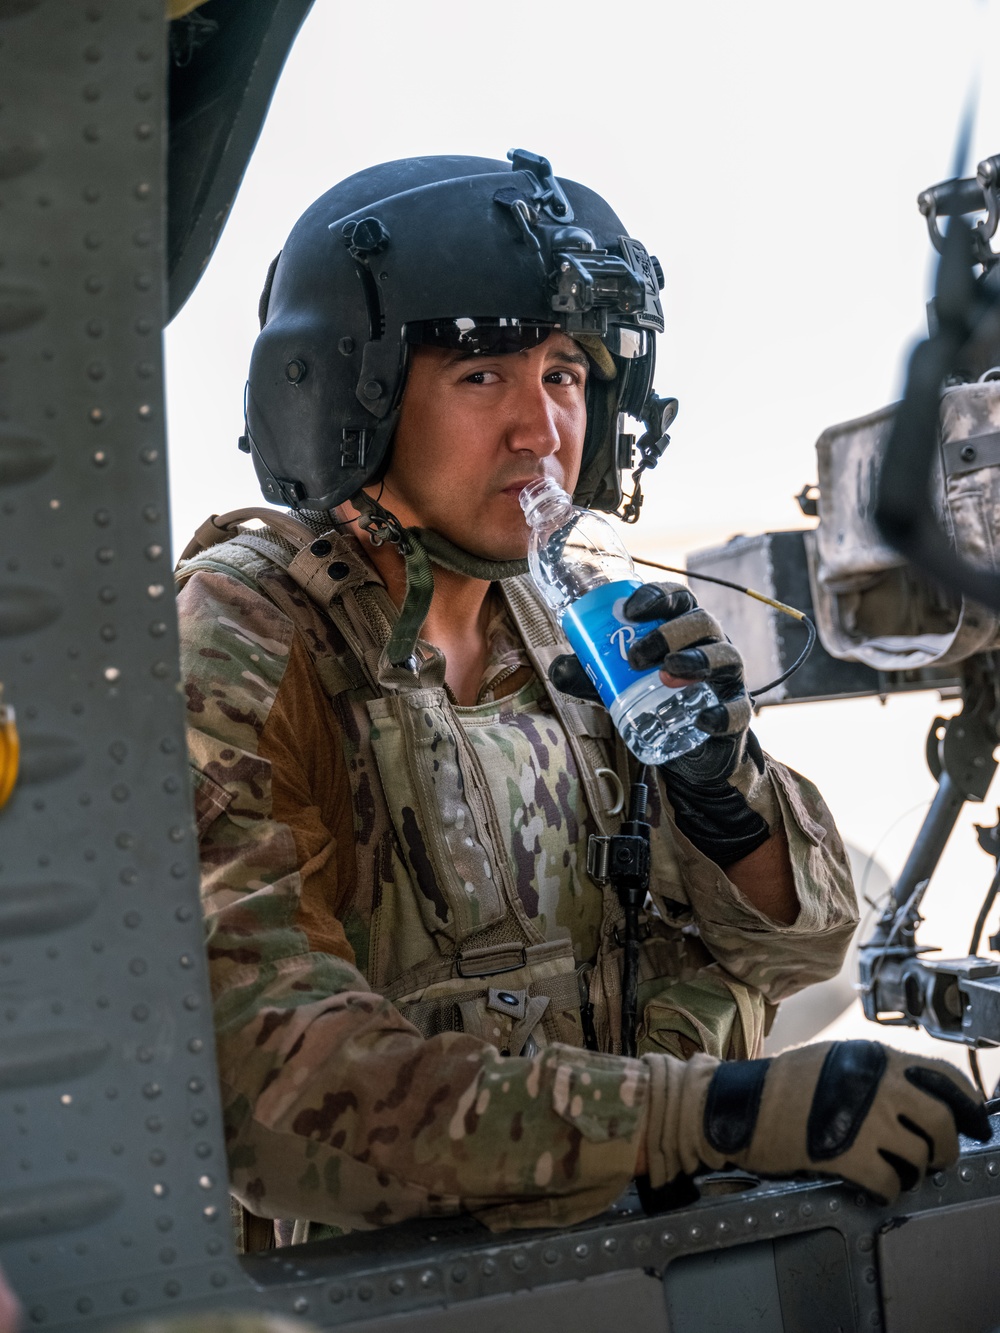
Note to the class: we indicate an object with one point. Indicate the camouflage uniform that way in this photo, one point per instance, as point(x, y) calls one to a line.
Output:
point(404, 942)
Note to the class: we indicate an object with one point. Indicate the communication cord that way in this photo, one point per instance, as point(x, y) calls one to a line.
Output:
point(792, 611)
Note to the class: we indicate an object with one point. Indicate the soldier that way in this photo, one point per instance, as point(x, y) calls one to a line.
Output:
point(417, 984)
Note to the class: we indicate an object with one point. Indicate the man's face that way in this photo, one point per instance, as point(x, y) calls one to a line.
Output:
point(474, 430)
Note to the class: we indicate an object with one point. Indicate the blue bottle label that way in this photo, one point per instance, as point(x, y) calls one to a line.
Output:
point(601, 636)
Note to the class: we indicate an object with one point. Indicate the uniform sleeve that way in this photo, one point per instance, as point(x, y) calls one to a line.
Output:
point(336, 1108)
point(775, 959)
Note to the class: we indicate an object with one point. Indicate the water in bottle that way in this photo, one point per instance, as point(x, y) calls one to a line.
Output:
point(583, 571)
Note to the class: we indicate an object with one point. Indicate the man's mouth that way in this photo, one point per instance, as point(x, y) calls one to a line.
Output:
point(514, 488)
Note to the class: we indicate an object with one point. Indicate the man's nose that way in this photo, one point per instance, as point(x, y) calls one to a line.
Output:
point(533, 422)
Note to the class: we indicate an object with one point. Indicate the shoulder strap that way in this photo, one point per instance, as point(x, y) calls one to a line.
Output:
point(222, 527)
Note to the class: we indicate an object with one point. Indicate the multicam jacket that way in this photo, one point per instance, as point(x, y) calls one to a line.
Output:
point(409, 959)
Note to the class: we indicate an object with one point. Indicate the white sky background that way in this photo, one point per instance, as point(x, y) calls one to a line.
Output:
point(770, 154)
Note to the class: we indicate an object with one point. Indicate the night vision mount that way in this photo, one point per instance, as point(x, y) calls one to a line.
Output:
point(592, 289)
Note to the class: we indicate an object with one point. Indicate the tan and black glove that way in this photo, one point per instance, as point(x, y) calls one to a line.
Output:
point(876, 1116)
point(722, 798)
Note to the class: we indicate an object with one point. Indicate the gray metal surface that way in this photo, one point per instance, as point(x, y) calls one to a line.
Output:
point(112, 1167)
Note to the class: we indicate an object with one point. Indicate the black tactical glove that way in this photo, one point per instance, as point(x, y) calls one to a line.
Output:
point(723, 801)
point(876, 1116)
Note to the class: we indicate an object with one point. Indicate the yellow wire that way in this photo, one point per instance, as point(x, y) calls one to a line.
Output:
point(10, 753)
point(725, 583)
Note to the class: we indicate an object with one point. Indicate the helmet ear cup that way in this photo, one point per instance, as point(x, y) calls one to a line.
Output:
point(599, 485)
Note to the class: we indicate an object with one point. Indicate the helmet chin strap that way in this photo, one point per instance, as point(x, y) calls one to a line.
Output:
point(419, 547)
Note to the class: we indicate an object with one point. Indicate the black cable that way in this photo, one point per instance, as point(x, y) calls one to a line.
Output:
point(977, 936)
point(632, 895)
point(977, 1077)
point(984, 911)
point(792, 611)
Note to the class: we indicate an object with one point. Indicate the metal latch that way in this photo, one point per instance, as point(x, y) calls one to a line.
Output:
point(598, 858)
point(10, 751)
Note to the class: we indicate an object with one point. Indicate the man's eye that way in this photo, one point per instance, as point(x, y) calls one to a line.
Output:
point(482, 377)
point(562, 377)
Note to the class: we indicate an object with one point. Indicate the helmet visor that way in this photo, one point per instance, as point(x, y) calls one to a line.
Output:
point(493, 336)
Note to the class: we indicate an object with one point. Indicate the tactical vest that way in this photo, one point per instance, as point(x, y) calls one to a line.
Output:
point(443, 928)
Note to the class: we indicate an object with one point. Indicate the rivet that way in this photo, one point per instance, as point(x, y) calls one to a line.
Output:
point(966, 1173)
point(806, 1210)
point(865, 1243)
point(938, 1179)
point(869, 1275)
point(365, 1293)
point(428, 1277)
point(371, 389)
point(668, 1238)
point(336, 1295)
point(750, 1220)
point(519, 1261)
point(339, 570)
point(295, 371)
point(345, 346)
point(581, 1251)
point(321, 547)
point(488, 1268)
point(143, 130)
point(778, 1215)
point(834, 1205)
point(610, 1245)
point(992, 1168)
point(300, 1305)
point(696, 1232)
point(968, 453)
point(397, 1286)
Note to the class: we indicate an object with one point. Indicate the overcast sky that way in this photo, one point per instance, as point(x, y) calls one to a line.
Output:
point(770, 154)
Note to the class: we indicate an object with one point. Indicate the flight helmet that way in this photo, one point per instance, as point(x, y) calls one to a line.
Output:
point(454, 251)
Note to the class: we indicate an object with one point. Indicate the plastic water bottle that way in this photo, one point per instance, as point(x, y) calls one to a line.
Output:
point(583, 571)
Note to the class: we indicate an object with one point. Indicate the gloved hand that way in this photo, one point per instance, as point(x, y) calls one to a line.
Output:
point(876, 1116)
point(723, 801)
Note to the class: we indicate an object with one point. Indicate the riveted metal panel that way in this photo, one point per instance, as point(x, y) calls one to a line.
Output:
point(939, 1269)
point(112, 1168)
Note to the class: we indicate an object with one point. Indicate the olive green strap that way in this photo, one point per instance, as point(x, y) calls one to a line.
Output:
point(418, 547)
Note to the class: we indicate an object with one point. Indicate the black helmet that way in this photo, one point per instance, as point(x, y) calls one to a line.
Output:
point(460, 250)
